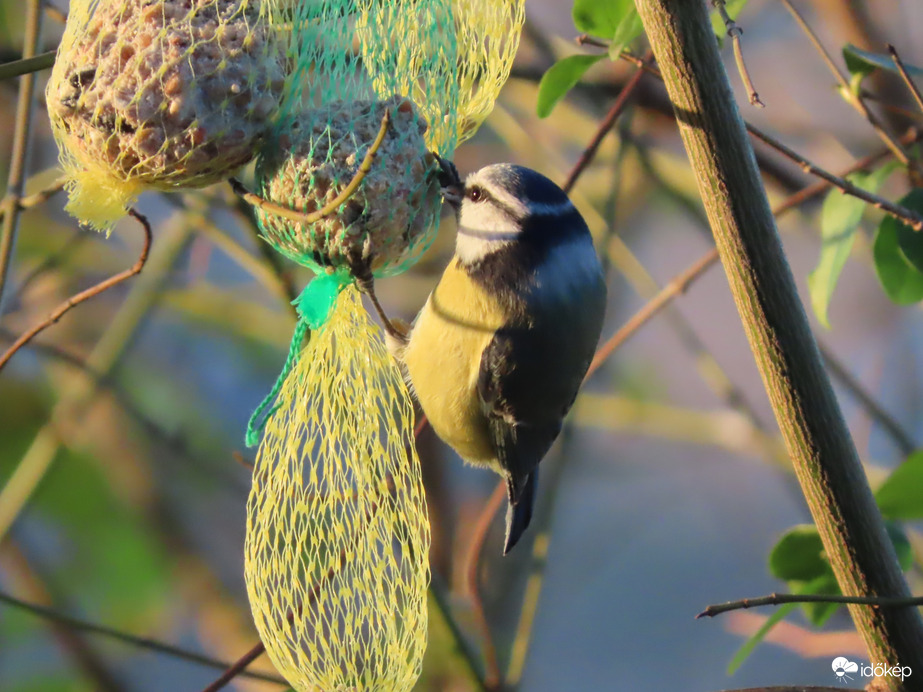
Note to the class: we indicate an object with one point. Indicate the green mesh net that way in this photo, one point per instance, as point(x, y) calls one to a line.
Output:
point(164, 94)
point(336, 555)
point(367, 58)
point(337, 534)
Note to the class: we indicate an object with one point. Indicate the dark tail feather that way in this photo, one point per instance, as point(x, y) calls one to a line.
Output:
point(519, 515)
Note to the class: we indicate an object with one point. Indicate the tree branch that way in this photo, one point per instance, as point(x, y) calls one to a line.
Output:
point(812, 425)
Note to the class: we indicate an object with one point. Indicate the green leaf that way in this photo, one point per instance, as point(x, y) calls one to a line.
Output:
point(560, 78)
point(901, 495)
point(908, 240)
point(743, 653)
point(858, 60)
point(627, 31)
point(839, 219)
point(601, 17)
point(799, 555)
point(817, 613)
point(900, 279)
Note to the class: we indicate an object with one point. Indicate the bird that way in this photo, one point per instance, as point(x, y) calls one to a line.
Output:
point(498, 352)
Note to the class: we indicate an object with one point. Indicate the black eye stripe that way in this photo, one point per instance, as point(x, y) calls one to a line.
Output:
point(485, 196)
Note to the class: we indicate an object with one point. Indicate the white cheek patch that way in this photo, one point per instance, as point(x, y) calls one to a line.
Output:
point(482, 229)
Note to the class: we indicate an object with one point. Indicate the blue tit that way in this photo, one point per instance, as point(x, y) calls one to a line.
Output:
point(498, 352)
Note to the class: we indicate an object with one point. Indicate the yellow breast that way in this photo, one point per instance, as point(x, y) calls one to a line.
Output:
point(443, 359)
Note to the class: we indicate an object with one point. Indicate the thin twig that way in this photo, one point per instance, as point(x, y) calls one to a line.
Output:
point(239, 667)
point(851, 98)
point(472, 563)
point(911, 85)
point(91, 292)
point(17, 68)
point(587, 40)
point(903, 214)
point(798, 198)
point(348, 191)
point(54, 13)
point(675, 287)
point(124, 637)
point(605, 126)
point(21, 129)
point(40, 197)
point(901, 437)
point(781, 598)
point(735, 32)
point(441, 597)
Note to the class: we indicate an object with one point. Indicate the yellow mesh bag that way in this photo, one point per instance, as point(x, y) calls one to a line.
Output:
point(488, 34)
point(336, 556)
point(163, 94)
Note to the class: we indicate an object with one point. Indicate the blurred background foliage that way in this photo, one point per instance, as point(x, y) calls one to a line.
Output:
point(667, 492)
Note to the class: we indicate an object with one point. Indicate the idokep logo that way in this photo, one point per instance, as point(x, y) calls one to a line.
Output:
point(842, 667)
point(846, 670)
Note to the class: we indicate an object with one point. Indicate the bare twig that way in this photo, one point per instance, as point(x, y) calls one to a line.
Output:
point(902, 214)
point(22, 570)
point(911, 85)
point(239, 667)
point(735, 32)
point(901, 437)
point(17, 68)
point(333, 205)
point(587, 40)
point(781, 598)
point(910, 137)
point(468, 654)
point(132, 640)
point(472, 562)
point(823, 455)
point(91, 292)
point(607, 124)
point(40, 197)
point(675, 287)
point(21, 129)
point(853, 99)
point(54, 13)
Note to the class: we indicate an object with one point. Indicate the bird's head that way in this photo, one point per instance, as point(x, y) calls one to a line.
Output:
point(503, 204)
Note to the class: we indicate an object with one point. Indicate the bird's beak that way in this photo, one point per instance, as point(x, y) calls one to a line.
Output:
point(452, 187)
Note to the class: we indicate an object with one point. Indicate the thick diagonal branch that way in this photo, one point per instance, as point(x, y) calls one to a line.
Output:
point(807, 412)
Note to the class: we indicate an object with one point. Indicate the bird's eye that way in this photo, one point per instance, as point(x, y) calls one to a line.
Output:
point(475, 194)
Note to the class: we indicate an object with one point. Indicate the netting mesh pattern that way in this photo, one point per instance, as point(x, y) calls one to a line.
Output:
point(162, 94)
point(336, 555)
point(365, 57)
point(438, 65)
point(487, 38)
point(316, 159)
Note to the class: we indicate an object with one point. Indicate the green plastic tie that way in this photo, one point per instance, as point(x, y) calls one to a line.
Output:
point(314, 306)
